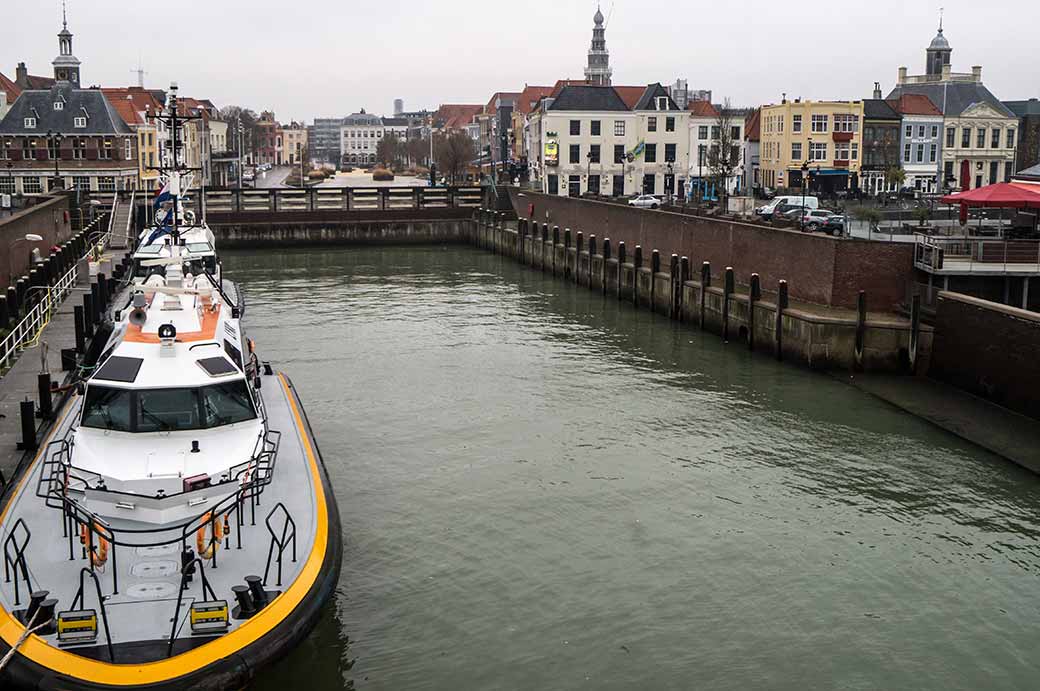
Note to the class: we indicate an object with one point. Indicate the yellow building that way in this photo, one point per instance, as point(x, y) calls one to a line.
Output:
point(822, 137)
point(136, 106)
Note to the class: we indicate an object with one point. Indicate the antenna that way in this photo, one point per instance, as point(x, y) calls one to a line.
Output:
point(609, 15)
point(941, 11)
point(64, 19)
point(140, 72)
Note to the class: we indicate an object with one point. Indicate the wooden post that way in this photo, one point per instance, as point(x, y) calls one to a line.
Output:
point(727, 290)
point(637, 263)
point(705, 284)
point(621, 258)
point(915, 331)
point(673, 276)
point(684, 276)
point(861, 328)
point(578, 245)
point(754, 295)
point(781, 305)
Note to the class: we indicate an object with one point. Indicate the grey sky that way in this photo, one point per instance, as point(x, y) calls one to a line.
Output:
point(310, 58)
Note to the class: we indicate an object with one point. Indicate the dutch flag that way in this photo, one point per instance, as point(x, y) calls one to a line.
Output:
point(162, 195)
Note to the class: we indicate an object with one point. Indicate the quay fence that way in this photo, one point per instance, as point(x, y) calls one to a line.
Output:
point(27, 332)
point(220, 200)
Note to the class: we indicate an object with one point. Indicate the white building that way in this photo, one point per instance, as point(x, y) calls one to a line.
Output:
point(359, 136)
point(588, 141)
point(705, 138)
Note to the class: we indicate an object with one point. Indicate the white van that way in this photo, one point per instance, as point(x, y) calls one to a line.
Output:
point(790, 201)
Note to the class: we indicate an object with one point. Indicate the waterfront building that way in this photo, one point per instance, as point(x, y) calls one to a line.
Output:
point(981, 133)
point(294, 144)
point(267, 140)
point(526, 103)
point(359, 136)
point(920, 144)
point(881, 151)
point(324, 139)
point(1028, 147)
point(136, 106)
point(824, 137)
point(495, 123)
point(598, 70)
point(69, 128)
point(752, 162)
point(706, 136)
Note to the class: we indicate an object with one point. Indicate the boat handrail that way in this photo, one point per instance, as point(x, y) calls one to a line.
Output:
point(188, 570)
point(79, 602)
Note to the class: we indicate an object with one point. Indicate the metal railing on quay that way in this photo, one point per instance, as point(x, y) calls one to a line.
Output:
point(230, 200)
point(976, 254)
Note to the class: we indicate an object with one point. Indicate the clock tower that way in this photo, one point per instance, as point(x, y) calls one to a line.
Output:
point(66, 65)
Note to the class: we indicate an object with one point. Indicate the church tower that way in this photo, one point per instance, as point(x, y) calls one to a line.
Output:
point(939, 53)
point(598, 71)
point(66, 65)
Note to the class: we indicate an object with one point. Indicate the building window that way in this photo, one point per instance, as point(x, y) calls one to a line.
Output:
point(933, 153)
point(935, 131)
point(594, 153)
point(996, 138)
point(619, 153)
point(714, 133)
point(948, 171)
point(53, 150)
point(59, 105)
point(920, 131)
point(651, 124)
point(818, 150)
point(129, 149)
point(79, 121)
point(106, 184)
point(950, 134)
point(819, 123)
point(81, 182)
point(906, 153)
point(993, 170)
point(575, 128)
point(920, 153)
point(669, 124)
point(29, 149)
point(966, 138)
point(734, 133)
point(29, 123)
point(844, 122)
point(855, 151)
point(796, 124)
point(575, 153)
point(650, 154)
point(796, 151)
point(780, 124)
point(619, 128)
point(841, 151)
point(32, 186)
point(702, 132)
point(595, 128)
point(1010, 140)
point(79, 148)
point(702, 155)
point(980, 139)
point(669, 153)
point(909, 131)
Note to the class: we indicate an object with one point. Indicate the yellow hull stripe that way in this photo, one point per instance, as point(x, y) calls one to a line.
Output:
point(84, 669)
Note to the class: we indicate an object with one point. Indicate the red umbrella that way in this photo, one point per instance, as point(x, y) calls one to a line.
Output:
point(1001, 195)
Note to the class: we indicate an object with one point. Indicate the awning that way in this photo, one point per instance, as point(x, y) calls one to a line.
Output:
point(830, 171)
point(1000, 195)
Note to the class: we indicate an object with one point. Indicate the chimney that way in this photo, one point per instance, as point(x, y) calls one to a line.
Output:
point(877, 91)
point(902, 75)
point(21, 76)
point(783, 98)
point(976, 73)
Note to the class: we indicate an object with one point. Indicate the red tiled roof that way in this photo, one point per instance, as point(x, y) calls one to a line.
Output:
point(130, 102)
point(456, 116)
point(703, 109)
point(530, 97)
point(10, 88)
point(39, 83)
point(630, 94)
point(753, 125)
point(914, 104)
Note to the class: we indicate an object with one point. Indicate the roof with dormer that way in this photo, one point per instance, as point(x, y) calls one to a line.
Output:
point(953, 98)
point(102, 118)
point(649, 99)
point(588, 98)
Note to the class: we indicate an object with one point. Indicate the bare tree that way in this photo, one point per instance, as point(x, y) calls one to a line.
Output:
point(418, 150)
point(454, 152)
point(235, 115)
point(724, 154)
point(389, 151)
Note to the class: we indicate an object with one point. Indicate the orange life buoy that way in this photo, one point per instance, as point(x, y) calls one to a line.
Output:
point(208, 547)
point(100, 556)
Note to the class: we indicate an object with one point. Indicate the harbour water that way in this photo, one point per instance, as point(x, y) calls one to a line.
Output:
point(544, 489)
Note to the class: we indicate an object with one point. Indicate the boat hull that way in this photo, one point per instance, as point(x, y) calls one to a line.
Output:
point(238, 667)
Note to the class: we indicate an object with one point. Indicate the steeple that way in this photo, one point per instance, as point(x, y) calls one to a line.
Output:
point(598, 71)
point(66, 65)
point(939, 52)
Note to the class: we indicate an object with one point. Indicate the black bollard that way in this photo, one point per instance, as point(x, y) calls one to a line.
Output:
point(684, 275)
point(27, 410)
point(246, 608)
point(5, 315)
point(256, 589)
point(567, 238)
point(673, 276)
point(592, 247)
point(88, 315)
point(705, 284)
point(12, 303)
point(754, 295)
point(68, 359)
point(43, 388)
point(102, 282)
point(655, 262)
point(606, 249)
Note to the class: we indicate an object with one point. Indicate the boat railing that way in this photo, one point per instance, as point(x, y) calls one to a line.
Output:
point(79, 603)
point(281, 537)
point(15, 566)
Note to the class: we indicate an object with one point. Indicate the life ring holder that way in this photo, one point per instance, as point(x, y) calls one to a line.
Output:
point(207, 542)
point(100, 556)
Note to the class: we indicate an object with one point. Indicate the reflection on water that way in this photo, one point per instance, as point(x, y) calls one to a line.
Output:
point(543, 488)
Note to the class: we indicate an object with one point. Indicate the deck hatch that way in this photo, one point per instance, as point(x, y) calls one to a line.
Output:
point(217, 366)
point(121, 369)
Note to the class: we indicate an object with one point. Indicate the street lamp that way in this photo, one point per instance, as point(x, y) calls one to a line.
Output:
point(30, 237)
point(55, 139)
point(588, 171)
point(805, 183)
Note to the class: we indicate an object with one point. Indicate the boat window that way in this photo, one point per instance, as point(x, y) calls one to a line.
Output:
point(107, 408)
point(119, 368)
point(167, 410)
point(199, 247)
point(228, 403)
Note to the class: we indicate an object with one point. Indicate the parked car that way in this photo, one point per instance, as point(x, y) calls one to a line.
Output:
point(835, 225)
point(811, 219)
point(786, 203)
point(645, 201)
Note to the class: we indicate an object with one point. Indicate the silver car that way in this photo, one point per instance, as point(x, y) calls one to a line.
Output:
point(645, 201)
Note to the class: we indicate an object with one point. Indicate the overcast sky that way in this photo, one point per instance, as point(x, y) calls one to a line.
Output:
point(307, 58)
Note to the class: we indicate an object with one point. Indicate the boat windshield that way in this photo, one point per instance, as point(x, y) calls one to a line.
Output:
point(167, 410)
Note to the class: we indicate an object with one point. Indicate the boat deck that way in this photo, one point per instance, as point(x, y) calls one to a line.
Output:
point(140, 584)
